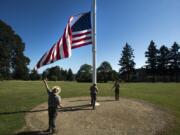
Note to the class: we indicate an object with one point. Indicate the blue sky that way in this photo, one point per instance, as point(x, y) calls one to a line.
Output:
point(40, 23)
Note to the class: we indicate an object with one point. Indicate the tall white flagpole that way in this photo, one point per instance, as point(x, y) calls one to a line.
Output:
point(94, 41)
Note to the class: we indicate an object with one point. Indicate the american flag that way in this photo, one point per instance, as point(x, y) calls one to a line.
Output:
point(81, 30)
point(76, 34)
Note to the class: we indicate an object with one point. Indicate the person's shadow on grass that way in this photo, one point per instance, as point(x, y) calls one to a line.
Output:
point(75, 108)
point(64, 109)
point(16, 112)
point(33, 133)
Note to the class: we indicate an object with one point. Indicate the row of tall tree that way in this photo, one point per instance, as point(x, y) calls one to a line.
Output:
point(164, 61)
point(162, 64)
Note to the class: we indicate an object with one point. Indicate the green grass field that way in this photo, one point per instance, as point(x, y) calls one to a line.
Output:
point(19, 96)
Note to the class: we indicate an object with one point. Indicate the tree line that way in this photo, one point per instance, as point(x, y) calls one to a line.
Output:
point(84, 74)
point(162, 64)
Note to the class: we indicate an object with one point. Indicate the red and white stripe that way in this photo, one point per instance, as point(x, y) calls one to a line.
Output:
point(81, 38)
point(62, 49)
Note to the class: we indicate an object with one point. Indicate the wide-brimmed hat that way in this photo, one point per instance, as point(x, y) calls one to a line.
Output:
point(56, 89)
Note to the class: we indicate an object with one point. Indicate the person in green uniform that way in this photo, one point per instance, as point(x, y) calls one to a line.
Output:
point(93, 93)
point(54, 101)
point(117, 88)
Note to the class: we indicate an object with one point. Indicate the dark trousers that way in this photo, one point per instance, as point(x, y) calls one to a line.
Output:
point(117, 94)
point(93, 99)
point(52, 113)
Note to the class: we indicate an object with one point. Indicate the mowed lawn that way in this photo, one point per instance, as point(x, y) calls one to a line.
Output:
point(17, 97)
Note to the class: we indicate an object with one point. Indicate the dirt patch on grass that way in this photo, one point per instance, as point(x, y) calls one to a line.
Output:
point(123, 117)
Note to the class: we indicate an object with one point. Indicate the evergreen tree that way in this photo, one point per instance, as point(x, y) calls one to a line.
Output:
point(163, 61)
point(127, 61)
point(151, 56)
point(13, 63)
point(175, 60)
point(70, 76)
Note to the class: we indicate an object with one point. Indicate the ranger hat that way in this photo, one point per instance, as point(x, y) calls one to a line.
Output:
point(56, 89)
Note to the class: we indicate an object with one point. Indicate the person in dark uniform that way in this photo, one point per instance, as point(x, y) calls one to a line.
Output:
point(93, 93)
point(54, 101)
point(117, 87)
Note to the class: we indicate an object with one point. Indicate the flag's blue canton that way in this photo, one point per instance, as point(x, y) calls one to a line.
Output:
point(83, 23)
